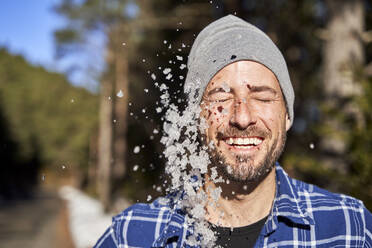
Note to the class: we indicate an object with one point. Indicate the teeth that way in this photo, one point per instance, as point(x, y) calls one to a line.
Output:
point(230, 141)
point(243, 141)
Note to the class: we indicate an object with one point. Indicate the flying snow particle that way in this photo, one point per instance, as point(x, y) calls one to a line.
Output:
point(180, 58)
point(183, 66)
point(153, 76)
point(155, 131)
point(72, 100)
point(225, 87)
point(149, 197)
point(43, 177)
point(136, 149)
point(143, 110)
point(63, 167)
point(120, 94)
point(143, 60)
point(146, 90)
point(167, 70)
point(312, 146)
point(124, 43)
point(181, 77)
point(163, 87)
point(135, 167)
point(183, 45)
point(169, 76)
point(158, 109)
point(165, 41)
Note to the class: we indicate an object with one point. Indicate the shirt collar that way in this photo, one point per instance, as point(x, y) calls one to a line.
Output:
point(287, 202)
point(177, 224)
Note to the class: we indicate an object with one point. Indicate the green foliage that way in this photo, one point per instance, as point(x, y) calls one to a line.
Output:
point(42, 107)
point(361, 147)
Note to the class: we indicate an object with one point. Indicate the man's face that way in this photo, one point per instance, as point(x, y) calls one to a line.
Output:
point(247, 120)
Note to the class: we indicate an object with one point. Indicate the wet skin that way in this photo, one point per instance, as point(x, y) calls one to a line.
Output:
point(244, 100)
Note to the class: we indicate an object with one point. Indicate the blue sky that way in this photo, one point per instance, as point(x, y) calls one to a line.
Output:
point(26, 28)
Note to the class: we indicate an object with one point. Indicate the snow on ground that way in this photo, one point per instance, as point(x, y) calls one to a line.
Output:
point(87, 219)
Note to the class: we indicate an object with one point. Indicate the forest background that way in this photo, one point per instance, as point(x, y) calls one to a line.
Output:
point(105, 140)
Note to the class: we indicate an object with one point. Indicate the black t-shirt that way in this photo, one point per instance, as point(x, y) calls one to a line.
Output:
point(245, 236)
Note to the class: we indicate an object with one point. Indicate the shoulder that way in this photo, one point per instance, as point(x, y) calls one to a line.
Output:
point(332, 212)
point(142, 224)
point(319, 197)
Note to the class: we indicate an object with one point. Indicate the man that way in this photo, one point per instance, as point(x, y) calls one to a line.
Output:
point(246, 99)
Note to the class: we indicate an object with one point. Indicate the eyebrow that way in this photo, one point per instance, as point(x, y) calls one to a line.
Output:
point(261, 89)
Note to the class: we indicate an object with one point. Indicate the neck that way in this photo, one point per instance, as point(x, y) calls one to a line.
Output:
point(240, 204)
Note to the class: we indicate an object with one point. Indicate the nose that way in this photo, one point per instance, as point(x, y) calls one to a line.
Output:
point(243, 115)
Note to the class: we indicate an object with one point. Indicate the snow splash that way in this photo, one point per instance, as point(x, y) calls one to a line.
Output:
point(187, 160)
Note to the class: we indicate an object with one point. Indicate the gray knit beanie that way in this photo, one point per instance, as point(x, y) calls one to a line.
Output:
point(231, 39)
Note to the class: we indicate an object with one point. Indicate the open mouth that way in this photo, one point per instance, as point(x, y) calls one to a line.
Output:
point(244, 142)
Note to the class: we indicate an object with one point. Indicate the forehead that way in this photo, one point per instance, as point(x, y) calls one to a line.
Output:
point(244, 72)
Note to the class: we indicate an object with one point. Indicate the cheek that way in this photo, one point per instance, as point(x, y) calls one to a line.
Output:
point(218, 115)
point(272, 116)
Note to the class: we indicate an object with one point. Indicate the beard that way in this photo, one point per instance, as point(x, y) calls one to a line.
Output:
point(244, 170)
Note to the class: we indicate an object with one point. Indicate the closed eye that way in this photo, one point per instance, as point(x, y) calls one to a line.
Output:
point(264, 100)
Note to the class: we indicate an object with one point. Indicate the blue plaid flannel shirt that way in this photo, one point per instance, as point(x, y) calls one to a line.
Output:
point(303, 215)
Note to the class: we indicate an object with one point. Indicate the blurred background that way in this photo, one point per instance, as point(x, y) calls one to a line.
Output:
point(80, 118)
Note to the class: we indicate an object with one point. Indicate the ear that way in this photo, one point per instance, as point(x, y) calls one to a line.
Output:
point(287, 122)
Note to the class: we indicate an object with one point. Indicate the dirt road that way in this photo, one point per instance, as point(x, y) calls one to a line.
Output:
point(38, 222)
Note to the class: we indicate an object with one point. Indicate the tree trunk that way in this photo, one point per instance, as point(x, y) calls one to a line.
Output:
point(120, 112)
point(343, 53)
point(105, 144)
